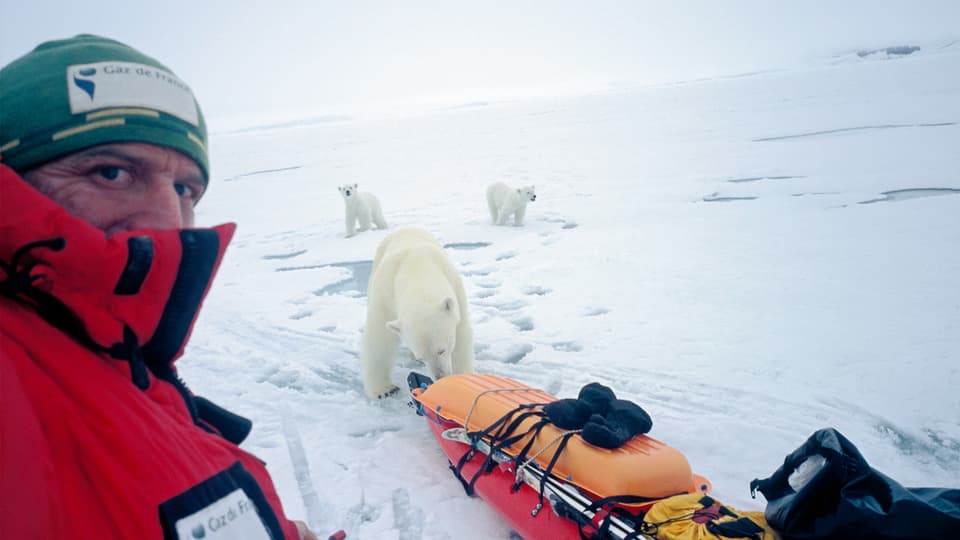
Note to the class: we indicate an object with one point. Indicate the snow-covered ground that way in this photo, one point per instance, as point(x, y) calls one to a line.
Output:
point(749, 258)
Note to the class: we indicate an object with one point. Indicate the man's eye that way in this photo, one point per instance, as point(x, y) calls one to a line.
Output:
point(109, 172)
point(184, 190)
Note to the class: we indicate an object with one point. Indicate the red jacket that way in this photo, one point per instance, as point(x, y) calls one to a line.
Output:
point(98, 436)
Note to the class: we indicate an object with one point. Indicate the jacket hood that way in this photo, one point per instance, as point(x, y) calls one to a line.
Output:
point(138, 290)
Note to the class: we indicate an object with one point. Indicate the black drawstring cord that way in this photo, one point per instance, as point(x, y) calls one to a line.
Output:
point(20, 280)
point(18, 285)
point(130, 351)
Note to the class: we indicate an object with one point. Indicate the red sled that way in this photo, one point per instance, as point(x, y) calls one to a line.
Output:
point(546, 482)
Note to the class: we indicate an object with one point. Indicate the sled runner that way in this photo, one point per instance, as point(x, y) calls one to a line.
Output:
point(547, 482)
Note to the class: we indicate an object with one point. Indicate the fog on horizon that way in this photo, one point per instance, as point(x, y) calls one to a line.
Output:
point(297, 58)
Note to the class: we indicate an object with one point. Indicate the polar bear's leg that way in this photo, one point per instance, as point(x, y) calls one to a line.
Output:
point(363, 216)
point(351, 219)
point(493, 209)
point(502, 216)
point(377, 351)
point(378, 217)
point(412, 359)
point(463, 352)
point(518, 216)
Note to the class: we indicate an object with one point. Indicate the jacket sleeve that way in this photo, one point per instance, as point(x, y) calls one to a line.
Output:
point(28, 498)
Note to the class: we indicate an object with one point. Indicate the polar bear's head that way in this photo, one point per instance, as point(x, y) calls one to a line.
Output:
point(431, 335)
point(348, 191)
point(527, 193)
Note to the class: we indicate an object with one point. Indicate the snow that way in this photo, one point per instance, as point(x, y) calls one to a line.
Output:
point(748, 258)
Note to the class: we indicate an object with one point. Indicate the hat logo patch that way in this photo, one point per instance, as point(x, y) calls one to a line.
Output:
point(86, 85)
point(113, 84)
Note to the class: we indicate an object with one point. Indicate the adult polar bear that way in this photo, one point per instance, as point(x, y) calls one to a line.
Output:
point(504, 200)
point(415, 294)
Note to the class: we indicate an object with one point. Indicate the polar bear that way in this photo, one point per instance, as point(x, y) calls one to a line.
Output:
point(504, 200)
point(416, 295)
point(361, 207)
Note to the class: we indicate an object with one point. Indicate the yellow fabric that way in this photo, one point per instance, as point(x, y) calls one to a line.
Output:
point(682, 508)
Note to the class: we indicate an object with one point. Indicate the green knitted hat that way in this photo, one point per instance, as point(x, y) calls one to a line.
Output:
point(75, 93)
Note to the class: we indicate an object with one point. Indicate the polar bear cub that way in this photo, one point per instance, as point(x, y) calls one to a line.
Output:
point(504, 200)
point(415, 295)
point(362, 207)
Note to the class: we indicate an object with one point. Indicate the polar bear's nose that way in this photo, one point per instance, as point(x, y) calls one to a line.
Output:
point(533, 197)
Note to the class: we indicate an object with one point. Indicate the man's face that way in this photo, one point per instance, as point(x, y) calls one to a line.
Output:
point(124, 186)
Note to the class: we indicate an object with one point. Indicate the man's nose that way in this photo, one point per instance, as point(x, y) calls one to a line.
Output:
point(158, 207)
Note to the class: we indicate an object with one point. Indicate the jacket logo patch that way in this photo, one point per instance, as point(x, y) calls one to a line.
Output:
point(229, 505)
point(233, 516)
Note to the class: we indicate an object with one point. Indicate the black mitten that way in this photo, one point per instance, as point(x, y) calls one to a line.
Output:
point(597, 396)
point(567, 413)
point(623, 420)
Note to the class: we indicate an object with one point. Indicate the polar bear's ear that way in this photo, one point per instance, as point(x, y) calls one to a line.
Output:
point(449, 307)
point(355, 186)
point(395, 327)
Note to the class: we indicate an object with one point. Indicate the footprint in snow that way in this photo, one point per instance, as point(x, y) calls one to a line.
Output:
point(362, 513)
point(567, 346)
point(506, 306)
point(466, 245)
point(536, 290)
point(488, 283)
point(407, 519)
point(565, 222)
point(523, 324)
point(477, 272)
point(281, 256)
point(373, 432)
point(517, 353)
point(302, 314)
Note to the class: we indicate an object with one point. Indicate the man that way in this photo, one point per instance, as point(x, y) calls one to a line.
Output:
point(102, 159)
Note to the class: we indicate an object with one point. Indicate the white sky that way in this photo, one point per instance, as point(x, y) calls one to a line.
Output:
point(293, 58)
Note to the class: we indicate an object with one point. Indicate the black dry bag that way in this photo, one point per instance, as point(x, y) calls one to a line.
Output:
point(841, 496)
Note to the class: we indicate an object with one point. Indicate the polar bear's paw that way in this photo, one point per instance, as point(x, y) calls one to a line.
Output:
point(391, 390)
